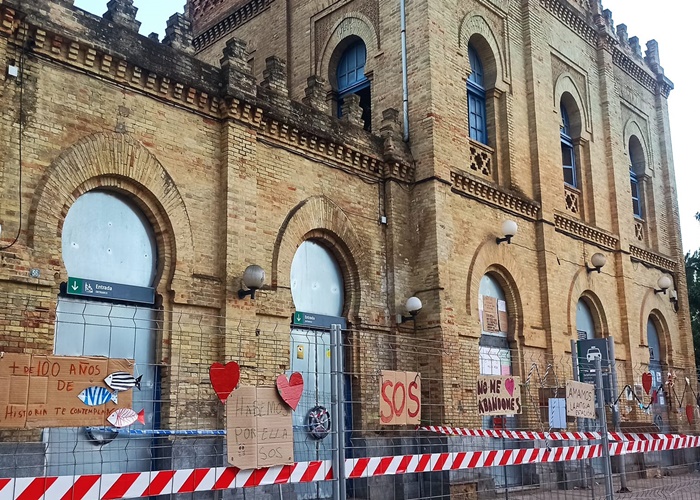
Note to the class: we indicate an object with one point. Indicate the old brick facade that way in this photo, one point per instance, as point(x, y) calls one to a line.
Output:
point(234, 154)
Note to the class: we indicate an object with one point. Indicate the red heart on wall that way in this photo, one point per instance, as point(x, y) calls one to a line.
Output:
point(690, 413)
point(224, 378)
point(647, 380)
point(291, 390)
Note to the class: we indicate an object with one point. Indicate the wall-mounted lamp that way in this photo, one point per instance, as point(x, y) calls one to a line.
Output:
point(673, 297)
point(253, 279)
point(413, 306)
point(597, 261)
point(664, 284)
point(509, 228)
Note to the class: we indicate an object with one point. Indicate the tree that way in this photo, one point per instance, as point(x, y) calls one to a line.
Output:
point(692, 272)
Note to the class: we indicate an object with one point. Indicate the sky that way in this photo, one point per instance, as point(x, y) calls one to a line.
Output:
point(672, 24)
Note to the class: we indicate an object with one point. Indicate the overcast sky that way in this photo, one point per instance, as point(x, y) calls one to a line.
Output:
point(672, 23)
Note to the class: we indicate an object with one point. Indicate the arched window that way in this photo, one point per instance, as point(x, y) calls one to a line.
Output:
point(655, 358)
point(106, 238)
point(585, 326)
point(636, 155)
point(494, 348)
point(476, 95)
point(568, 155)
point(350, 75)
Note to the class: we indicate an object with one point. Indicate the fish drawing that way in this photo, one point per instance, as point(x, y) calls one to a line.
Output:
point(96, 396)
point(124, 417)
point(123, 381)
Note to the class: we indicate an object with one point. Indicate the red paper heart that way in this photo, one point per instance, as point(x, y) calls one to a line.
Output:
point(690, 413)
point(647, 380)
point(510, 385)
point(224, 379)
point(291, 390)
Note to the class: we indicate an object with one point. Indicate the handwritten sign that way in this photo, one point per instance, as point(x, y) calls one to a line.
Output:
point(258, 428)
point(580, 399)
point(399, 398)
point(490, 323)
point(498, 395)
point(42, 391)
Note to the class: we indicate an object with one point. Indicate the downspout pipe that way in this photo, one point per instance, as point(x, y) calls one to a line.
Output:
point(404, 70)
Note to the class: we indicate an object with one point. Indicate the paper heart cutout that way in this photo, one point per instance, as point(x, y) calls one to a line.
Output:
point(647, 380)
point(690, 413)
point(291, 390)
point(224, 378)
point(510, 386)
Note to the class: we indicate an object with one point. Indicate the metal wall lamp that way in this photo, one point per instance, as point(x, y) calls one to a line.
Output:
point(597, 262)
point(253, 279)
point(413, 306)
point(509, 229)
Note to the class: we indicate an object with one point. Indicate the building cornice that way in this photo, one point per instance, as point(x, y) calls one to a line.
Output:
point(249, 109)
point(228, 24)
point(567, 16)
point(582, 231)
point(467, 185)
point(653, 259)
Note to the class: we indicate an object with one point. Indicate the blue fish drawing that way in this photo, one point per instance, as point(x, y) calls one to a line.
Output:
point(96, 396)
point(123, 381)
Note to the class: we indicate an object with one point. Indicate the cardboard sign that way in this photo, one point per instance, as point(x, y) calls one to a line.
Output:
point(580, 399)
point(502, 316)
point(490, 323)
point(42, 391)
point(258, 428)
point(399, 398)
point(498, 395)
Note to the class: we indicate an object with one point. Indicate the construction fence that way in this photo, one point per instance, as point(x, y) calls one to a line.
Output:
point(283, 409)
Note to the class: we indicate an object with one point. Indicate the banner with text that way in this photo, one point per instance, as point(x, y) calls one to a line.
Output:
point(498, 395)
point(59, 391)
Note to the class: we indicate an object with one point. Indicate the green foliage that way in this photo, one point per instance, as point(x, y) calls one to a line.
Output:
point(692, 271)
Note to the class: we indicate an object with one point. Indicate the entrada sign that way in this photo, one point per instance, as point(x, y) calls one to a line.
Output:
point(107, 290)
point(317, 320)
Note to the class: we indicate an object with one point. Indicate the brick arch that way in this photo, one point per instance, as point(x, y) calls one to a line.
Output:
point(498, 261)
point(476, 27)
point(632, 128)
point(118, 163)
point(320, 220)
point(354, 25)
point(565, 84)
point(585, 286)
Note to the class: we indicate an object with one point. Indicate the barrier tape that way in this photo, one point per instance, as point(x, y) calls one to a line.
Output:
point(548, 436)
point(144, 484)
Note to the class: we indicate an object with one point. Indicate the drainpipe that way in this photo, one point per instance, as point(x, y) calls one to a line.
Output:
point(404, 70)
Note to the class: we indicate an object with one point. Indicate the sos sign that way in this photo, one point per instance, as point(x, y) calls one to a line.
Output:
point(399, 398)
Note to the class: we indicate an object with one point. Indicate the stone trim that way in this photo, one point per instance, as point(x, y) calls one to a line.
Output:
point(229, 23)
point(653, 259)
point(569, 18)
point(579, 26)
point(467, 185)
point(583, 231)
point(86, 58)
point(626, 64)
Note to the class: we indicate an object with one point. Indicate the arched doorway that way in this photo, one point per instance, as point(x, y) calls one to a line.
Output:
point(495, 359)
point(317, 287)
point(585, 326)
point(107, 238)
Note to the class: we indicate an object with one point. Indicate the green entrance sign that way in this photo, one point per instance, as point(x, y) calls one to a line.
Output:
point(317, 320)
point(106, 290)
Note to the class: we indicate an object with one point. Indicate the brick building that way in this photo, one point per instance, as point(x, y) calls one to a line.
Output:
point(260, 129)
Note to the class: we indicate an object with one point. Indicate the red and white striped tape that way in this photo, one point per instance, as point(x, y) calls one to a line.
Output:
point(144, 484)
point(550, 436)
